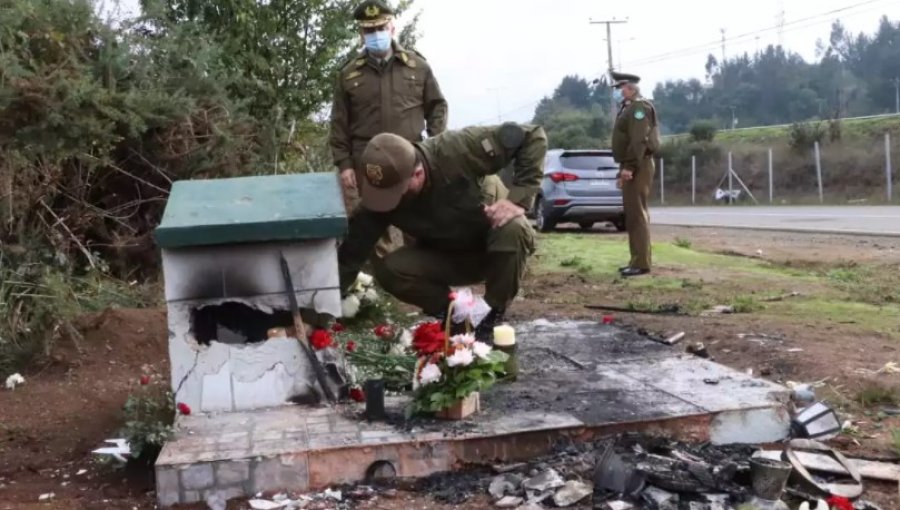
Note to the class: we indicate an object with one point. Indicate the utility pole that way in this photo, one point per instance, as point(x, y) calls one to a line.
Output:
point(897, 94)
point(723, 45)
point(497, 91)
point(609, 52)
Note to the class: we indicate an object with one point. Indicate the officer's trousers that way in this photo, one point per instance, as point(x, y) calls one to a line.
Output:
point(423, 277)
point(635, 196)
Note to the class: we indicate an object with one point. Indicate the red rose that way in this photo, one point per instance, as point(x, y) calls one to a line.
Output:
point(452, 296)
point(429, 338)
point(145, 380)
point(607, 319)
point(383, 331)
point(184, 408)
point(320, 339)
point(357, 394)
point(337, 327)
point(351, 346)
point(839, 503)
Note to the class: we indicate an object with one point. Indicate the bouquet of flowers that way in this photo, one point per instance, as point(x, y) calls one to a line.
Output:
point(361, 294)
point(450, 368)
point(383, 353)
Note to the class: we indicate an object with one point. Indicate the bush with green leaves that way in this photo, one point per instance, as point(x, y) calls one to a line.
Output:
point(703, 131)
point(149, 417)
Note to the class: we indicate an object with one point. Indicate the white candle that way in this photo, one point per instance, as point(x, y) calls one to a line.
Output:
point(504, 335)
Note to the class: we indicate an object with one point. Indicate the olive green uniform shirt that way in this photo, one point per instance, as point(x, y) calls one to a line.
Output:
point(634, 132)
point(399, 96)
point(448, 215)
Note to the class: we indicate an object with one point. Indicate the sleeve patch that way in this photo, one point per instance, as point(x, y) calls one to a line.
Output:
point(639, 114)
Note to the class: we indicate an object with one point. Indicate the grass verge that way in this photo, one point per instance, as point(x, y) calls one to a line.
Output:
point(694, 280)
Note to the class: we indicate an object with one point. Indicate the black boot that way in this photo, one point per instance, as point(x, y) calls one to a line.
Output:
point(484, 332)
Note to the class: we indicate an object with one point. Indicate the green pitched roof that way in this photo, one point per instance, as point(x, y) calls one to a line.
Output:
point(252, 209)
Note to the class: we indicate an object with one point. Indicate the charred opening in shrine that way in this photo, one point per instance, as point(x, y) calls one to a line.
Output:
point(235, 323)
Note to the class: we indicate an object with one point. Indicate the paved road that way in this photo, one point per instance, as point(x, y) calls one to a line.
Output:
point(872, 220)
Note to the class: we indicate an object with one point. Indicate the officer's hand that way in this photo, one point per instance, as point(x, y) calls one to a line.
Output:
point(348, 178)
point(502, 212)
point(626, 175)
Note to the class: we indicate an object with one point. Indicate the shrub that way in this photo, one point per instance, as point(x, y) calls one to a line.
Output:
point(802, 136)
point(703, 131)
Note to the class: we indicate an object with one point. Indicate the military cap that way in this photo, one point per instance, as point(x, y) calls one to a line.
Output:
point(389, 161)
point(620, 79)
point(372, 13)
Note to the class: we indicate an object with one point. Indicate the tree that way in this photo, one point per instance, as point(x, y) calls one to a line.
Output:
point(288, 51)
point(576, 116)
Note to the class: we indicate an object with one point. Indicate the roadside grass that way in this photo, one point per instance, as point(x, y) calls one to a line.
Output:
point(694, 280)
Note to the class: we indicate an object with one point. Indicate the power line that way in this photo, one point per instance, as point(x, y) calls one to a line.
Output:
point(780, 27)
point(705, 47)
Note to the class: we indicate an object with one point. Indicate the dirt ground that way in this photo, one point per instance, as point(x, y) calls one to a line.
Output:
point(73, 402)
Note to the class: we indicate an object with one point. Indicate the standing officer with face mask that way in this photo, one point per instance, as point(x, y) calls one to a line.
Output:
point(635, 140)
point(385, 88)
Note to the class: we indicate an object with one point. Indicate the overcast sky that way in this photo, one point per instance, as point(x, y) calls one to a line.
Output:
point(495, 59)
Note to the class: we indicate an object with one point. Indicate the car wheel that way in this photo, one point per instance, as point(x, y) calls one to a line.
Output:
point(586, 225)
point(541, 221)
point(620, 224)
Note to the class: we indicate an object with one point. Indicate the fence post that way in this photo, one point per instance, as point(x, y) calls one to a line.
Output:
point(819, 173)
point(770, 176)
point(730, 183)
point(662, 181)
point(887, 167)
point(693, 180)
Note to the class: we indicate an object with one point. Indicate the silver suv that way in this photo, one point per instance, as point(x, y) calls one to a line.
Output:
point(579, 186)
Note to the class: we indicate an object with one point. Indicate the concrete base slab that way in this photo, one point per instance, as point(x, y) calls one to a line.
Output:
point(578, 380)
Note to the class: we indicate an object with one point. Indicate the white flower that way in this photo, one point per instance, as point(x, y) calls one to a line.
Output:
point(430, 373)
point(350, 307)
point(406, 339)
point(462, 357)
point(365, 280)
point(467, 340)
point(481, 349)
point(14, 380)
point(370, 295)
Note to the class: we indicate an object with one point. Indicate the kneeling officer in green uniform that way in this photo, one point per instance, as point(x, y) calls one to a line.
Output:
point(468, 228)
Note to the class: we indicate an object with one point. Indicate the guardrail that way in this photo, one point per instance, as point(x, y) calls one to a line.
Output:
point(738, 130)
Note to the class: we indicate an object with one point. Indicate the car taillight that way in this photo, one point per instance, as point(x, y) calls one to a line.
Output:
point(563, 176)
point(561, 201)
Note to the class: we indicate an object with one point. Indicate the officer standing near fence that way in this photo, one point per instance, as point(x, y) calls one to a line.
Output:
point(385, 88)
point(635, 140)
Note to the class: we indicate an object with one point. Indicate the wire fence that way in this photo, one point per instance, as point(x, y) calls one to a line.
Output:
point(861, 172)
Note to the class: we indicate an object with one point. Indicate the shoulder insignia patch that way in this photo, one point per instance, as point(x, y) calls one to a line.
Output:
point(487, 146)
point(354, 74)
point(360, 62)
point(639, 114)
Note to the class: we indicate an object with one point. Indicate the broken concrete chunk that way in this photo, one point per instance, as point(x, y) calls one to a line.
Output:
point(618, 505)
point(572, 492)
point(547, 480)
point(262, 504)
point(509, 502)
point(658, 499)
point(505, 484)
point(530, 506)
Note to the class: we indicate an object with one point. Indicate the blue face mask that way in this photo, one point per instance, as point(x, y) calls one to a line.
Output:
point(378, 42)
point(617, 95)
